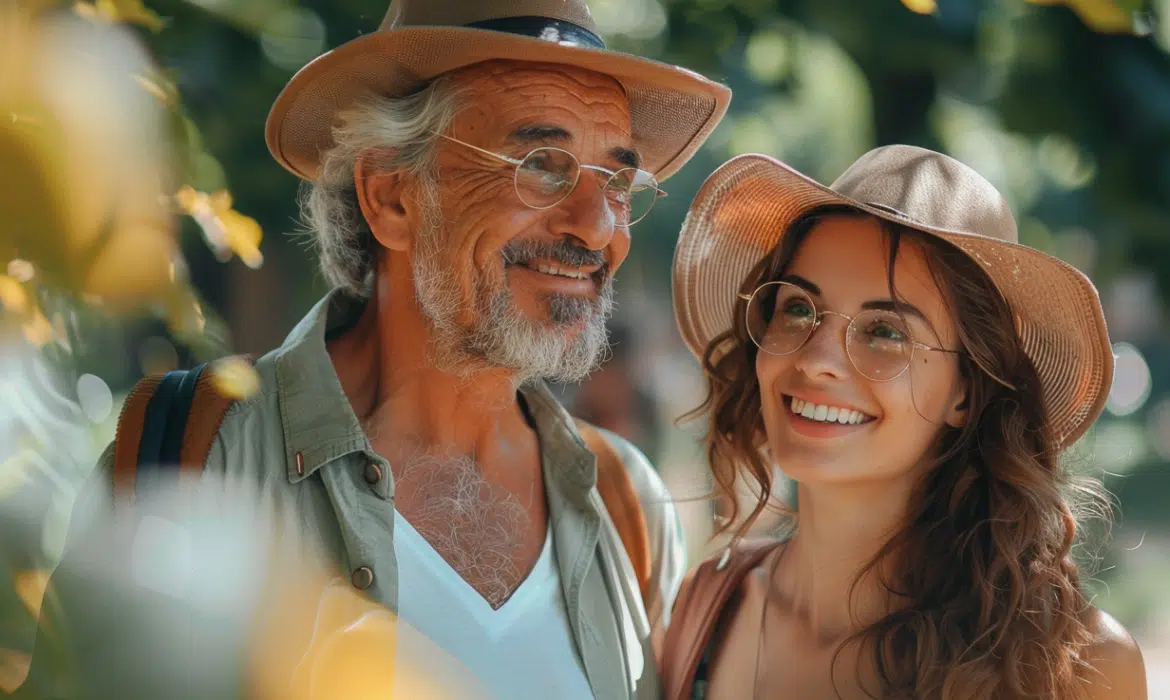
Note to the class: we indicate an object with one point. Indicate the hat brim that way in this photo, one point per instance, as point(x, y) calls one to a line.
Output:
point(743, 209)
point(672, 110)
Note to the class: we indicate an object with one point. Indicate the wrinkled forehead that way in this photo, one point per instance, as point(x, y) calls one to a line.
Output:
point(517, 85)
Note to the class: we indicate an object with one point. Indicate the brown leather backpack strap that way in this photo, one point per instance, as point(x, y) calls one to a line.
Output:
point(167, 421)
point(625, 508)
point(697, 611)
point(129, 433)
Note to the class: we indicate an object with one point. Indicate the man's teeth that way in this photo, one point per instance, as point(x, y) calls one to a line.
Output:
point(570, 272)
point(826, 414)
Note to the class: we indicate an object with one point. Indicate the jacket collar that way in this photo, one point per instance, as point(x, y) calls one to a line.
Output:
point(320, 425)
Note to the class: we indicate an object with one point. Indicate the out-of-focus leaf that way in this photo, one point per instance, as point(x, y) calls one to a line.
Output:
point(226, 230)
point(129, 11)
point(14, 667)
point(32, 198)
point(1109, 16)
point(31, 587)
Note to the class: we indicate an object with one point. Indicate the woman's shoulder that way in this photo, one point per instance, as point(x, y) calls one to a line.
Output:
point(1118, 671)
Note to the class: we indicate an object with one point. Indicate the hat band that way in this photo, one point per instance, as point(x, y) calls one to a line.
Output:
point(543, 28)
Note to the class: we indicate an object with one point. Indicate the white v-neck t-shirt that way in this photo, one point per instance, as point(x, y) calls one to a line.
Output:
point(523, 651)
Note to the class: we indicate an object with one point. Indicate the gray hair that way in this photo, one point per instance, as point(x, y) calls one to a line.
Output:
point(400, 133)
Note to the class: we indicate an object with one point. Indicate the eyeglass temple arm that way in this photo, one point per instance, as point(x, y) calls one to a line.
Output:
point(497, 156)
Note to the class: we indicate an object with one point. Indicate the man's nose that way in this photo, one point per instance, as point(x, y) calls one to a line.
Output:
point(586, 214)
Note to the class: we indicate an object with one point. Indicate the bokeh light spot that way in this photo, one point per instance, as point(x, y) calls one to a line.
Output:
point(1131, 381)
point(95, 398)
point(768, 56)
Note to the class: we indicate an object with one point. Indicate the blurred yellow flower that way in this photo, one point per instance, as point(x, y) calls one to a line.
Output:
point(1099, 15)
point(922, 7)
point(21, 270)
point(82, 147)
point(37, 330)
point(227, 231)
point(235, 377)
point(329, 641)
point(13, 295)
point(131, 11)
point(183, 313)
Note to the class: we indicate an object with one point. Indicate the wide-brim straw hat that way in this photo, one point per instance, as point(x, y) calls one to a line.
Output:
point(743, 209)
point(672, 110)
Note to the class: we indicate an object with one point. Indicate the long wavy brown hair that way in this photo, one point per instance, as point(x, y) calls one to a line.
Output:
point(983, 562)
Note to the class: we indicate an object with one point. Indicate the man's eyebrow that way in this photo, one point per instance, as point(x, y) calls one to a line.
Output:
point(549, 133)
point(540, 133)
point(626, 157)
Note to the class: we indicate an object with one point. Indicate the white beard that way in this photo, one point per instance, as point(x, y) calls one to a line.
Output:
point(502, 335)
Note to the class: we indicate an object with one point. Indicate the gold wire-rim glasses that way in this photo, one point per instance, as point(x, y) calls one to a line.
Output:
point(649, 182)
point(818, 318)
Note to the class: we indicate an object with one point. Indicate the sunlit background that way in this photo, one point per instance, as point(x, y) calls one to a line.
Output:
point(144, 226)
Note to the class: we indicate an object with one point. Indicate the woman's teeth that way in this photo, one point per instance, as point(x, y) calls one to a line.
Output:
point(826, 414)
point(572, 273)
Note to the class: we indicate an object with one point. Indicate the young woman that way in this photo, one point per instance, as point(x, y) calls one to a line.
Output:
point(917, 374)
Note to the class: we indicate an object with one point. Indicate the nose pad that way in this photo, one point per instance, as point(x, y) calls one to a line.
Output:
point(824, 353)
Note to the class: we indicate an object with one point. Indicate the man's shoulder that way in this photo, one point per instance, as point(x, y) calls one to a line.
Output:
point(644, 476)
point(252, 425)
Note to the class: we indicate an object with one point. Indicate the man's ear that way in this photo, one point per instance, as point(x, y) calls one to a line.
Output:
point(381, 194)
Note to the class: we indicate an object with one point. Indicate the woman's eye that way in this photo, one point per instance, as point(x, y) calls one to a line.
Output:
point(884, 331)
point(799, 309)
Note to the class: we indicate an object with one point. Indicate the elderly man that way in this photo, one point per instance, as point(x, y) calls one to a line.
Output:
point(474, 170)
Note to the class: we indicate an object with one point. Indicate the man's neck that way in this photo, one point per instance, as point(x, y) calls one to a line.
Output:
point(406, 403)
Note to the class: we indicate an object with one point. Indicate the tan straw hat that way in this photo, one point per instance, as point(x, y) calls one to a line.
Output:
point(672, 110)
point(744, 207)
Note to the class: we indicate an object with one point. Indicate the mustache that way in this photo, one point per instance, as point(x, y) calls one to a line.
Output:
point(562, 252)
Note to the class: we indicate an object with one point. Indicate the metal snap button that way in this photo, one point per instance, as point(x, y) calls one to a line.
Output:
point(362, 578)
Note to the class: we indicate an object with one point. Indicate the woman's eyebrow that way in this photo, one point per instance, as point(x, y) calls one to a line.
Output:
point(802, 283)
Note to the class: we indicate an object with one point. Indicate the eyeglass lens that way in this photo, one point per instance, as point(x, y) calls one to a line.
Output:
point(781, 318)
point(547, 176)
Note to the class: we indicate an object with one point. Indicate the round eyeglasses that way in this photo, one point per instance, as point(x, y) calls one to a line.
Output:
point(781, 317)
point(547, 175)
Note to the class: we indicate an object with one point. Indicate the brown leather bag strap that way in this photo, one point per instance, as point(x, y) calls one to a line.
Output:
point(697, 611)
point(167, 422)
point(625, 508)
